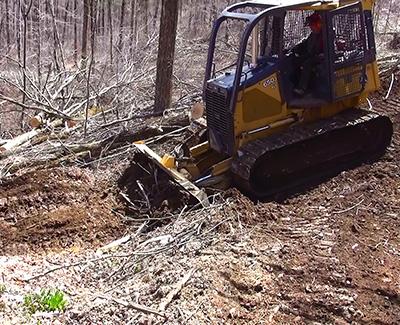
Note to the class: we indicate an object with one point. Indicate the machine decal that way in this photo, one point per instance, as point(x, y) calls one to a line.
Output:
point(271, 82)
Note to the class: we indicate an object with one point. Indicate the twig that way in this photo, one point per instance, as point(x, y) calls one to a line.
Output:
point(123, 240)
point(160, 137)
point(127, 199)
point(390, 88)
point(37, 108)
point(65, 266)
point(349, 209)
point(369, 104)
point(141, 187)
point(153, 252)
point(132, 117)
point(141, 308)
point(176, 291)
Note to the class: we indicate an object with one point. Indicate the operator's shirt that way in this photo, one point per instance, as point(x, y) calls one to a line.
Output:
point(314, 44)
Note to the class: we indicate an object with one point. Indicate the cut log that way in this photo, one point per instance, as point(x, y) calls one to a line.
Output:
point(24, 138)
point(19, 140)
point(37, 120)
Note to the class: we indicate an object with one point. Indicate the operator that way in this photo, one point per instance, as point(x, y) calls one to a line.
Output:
point(309, 52)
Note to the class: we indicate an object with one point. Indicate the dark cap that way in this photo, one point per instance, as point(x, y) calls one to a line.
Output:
point(313, 19)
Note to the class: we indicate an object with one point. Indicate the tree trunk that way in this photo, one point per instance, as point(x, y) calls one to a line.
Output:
point(102, 14)
point(110, 25)
point(121, 27)
point(155, 17)
point(85, 25)
point(146, 22)
point(132, 34)
point(19, 29)
point(38, 42)
point(8, 26)
point(93, 9)
point(65, 23)
point(166, 52)
point(76, 32)
point(136, 18)
point(25, 9)
point(56, 39)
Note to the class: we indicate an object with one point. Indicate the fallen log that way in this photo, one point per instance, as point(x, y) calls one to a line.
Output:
point(19, 140)
point(24, 138)
point(49, 162)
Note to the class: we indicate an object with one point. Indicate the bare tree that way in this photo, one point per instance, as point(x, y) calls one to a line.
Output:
point(166, 52)
point(156, 9)
point(132, 31)
point(76, 32)
point(18, 29)
point(57, 47)
point(65, 22)
point(8, 25)
point(121, 26)
point(93, 9)
point(25, 9)
point(110, 25)
point(85, 25)
point(38, 41)
point(145, 16)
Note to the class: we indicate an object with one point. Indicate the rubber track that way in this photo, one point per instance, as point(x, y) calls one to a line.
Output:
point(252, 154)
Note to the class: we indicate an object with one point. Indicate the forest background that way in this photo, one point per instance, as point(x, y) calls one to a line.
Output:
point(44, 44)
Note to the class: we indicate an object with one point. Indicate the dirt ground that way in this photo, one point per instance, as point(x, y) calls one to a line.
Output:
point(55, 209)
point(330, 255)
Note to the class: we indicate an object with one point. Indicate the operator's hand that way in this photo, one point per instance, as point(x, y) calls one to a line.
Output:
point(290, 52)
point(287, 52)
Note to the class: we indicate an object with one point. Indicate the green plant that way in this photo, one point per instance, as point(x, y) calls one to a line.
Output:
point(45, 301)
point(137, 269)
point(2, 288)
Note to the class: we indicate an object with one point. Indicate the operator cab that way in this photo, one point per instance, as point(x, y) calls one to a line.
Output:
point(270, 45)
point(282, 46)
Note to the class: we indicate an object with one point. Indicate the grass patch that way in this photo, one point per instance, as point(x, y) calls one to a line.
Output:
point(45, 301)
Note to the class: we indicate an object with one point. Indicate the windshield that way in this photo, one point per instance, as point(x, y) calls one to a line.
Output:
point(262, 46)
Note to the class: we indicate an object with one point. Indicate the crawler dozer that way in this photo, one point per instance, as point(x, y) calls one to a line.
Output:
point(261, 134)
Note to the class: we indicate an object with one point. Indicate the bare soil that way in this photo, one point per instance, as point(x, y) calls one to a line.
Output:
point(54, 209)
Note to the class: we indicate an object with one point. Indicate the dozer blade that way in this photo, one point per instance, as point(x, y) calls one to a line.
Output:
point(175, 175)
point(307, 153)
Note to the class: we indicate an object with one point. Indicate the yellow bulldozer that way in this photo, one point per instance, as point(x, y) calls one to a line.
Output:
point(289, 114)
